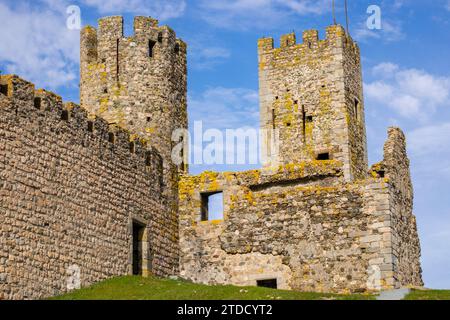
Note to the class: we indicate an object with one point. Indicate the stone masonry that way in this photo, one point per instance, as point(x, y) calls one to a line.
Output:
point(92, 191)
point(315, 218)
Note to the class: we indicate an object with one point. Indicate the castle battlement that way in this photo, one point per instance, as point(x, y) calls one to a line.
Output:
point(336, 36)
point(22, 96)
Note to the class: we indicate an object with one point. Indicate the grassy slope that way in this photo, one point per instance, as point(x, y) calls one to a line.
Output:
point(429, 295)
point(138, 288)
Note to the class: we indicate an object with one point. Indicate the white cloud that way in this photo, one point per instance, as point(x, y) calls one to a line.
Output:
point(37, 45)
point(207, 58)
point(160, 9)
point(430, 152)
point(225, 108)
point(411, 93)
point(246, 14)
point(430, 140)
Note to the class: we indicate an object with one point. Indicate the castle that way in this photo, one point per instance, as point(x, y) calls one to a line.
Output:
point(91, 192)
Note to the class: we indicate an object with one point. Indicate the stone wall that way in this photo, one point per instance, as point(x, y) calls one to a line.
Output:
point(302, 225)
point(70, 188)
point(308, 92)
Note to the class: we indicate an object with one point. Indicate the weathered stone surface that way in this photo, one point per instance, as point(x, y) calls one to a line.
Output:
point(69, 191)
point(312, 225)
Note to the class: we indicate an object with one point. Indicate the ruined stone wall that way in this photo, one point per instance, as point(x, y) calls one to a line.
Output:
point(307, 93)
point(405, 240)
point(302, 225)
point(70, 188)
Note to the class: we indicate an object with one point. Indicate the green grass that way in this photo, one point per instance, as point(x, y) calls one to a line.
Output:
point(138, 288)
point(428, 295)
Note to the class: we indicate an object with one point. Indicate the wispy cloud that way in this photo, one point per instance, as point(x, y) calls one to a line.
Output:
point(37, 45)
point(411, 93)
point(245, 14)
point(160, 9)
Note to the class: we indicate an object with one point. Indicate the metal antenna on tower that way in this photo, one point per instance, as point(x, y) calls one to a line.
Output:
point(334, 11)
point(346, 16)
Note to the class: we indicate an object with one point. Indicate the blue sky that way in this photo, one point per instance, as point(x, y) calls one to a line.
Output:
point(406, 69)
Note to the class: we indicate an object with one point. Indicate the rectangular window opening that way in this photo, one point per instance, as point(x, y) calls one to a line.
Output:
point(212, 206)
point(323, 156)
point(151, 47)
point(37, 103)
point(267, 283)
point(4, 89)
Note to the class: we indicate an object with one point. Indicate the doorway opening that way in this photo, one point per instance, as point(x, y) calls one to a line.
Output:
point(139, 248)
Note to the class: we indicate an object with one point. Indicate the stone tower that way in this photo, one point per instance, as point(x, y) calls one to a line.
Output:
point(137, 82)
point(311, 94)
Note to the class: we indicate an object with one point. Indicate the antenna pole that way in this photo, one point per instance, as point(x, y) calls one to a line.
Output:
point(334, 11)
point(346, 16)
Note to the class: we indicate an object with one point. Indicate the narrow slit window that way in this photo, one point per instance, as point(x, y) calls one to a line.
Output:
point(177, 48)
point(65, 115)
point(267, 283)
point(273, 119)
point(356, 105)
point(151, 48)
point(90, 126)
point(304, 123)
point(212, 206)
point(160, 37)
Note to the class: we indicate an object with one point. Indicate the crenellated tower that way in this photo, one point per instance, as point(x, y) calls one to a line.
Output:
point(137, 82)
point(311, 94)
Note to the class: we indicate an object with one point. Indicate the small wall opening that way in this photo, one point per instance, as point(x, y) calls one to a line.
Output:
point(160, 37)
point(4, 89)
point(177, 48)
point(139, 236)
point(323, 156)
point(356, 106)
point(151, 48)
point(212, 206)
point(267, 283)
point(65, 115)
point(90, 126)
point(37, 103)
point(112, 137)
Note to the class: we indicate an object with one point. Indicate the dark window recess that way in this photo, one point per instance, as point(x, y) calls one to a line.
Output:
point(65, 115)
point(288, 124)
point(304, 123)
point(37, 103)
point(160, 37)
point(148, 119)
point(177, 48)
point(323, 156)
point(309, 45)
point(269, 283)
point(212, 206)
point(105, 90)
point(356, 108)
point(273, 119)
point(4, 89)
point(382, 174)
point(90, 126)
point(112, 137)
point(151, 48)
